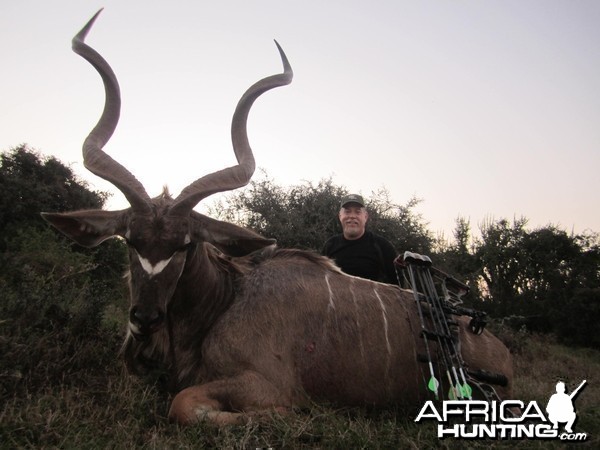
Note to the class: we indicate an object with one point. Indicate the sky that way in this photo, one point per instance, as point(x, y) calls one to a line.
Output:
point(484, 109)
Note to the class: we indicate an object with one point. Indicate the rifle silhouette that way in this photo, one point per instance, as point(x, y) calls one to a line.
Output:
point(574, 393)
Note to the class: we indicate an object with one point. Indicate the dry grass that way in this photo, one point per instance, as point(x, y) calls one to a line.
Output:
point(102, 407)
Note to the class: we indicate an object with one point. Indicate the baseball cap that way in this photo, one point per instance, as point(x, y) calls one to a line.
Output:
point(353, 198)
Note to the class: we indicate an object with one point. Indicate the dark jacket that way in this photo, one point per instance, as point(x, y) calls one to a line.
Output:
point(371, 256)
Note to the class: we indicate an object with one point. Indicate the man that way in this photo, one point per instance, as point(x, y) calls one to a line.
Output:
point(357, 251)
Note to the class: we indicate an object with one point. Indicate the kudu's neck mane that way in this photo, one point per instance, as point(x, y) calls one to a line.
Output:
point(218, 274)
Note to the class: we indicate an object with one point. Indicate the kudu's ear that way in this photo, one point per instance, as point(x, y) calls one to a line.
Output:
point(88, 228)
point(227, 237)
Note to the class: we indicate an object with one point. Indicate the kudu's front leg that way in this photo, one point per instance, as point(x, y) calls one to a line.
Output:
point(228, 401)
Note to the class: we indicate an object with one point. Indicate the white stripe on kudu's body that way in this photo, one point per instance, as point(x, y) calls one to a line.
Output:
point(331, 304)
point(385, 322)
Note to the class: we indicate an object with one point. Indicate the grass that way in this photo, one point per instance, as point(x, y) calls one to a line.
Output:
point(76, 394)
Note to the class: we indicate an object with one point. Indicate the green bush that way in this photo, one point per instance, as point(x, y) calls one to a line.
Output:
point(57, 300)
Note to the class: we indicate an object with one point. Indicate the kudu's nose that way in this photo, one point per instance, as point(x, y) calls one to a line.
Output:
point(147, 321)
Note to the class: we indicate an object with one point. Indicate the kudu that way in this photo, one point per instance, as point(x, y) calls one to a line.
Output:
point(241, 327)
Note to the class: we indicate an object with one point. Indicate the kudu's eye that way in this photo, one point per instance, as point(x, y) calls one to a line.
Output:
point(187, 244)
point(185, 247)
point(130, 244)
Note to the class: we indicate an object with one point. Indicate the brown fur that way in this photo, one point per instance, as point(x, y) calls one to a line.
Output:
point(291, 327)
point(267, 331)
point(262, 332)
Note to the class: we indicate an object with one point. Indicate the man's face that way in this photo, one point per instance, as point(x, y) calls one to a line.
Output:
point(353, 218)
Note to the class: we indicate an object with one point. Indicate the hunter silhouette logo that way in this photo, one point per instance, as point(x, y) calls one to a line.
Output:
point(560, 407)
point(507, 419)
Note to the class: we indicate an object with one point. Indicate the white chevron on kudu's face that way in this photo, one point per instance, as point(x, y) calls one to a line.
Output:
point(153, 269)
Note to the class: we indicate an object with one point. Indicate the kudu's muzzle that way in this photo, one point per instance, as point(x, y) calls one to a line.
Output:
point(143, 321)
